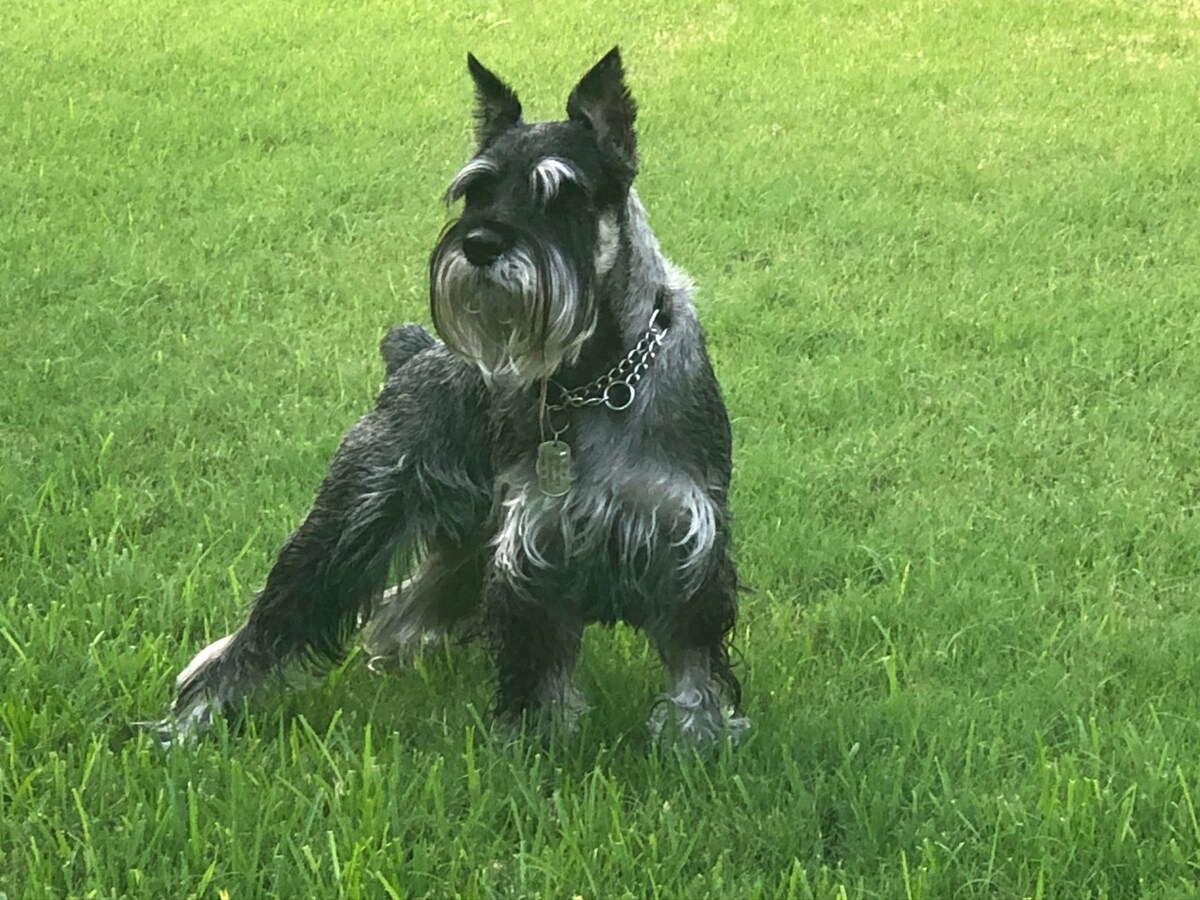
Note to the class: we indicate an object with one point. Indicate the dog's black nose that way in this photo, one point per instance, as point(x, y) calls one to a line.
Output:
point(483, 245)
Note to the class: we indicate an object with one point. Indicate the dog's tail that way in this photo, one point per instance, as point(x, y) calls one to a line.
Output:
point(402, 343)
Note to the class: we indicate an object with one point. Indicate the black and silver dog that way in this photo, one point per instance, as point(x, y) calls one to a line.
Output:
point(563, 458)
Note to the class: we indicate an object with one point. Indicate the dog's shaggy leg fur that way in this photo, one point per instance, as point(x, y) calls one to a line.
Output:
point(443, 592)
point(535, 643)
point(693, 640)
point(410, 472)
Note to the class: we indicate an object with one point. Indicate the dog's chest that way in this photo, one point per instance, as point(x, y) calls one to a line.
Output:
point(622, 506)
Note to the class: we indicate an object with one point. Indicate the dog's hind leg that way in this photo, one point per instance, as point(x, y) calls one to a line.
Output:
point(442, 593)
point(412, 470)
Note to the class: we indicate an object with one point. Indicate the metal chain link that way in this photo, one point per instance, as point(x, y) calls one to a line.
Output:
point(616, 388)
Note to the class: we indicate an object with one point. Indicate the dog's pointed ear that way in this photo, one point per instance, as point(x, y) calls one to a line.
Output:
point(497, 108)
point(602, 101)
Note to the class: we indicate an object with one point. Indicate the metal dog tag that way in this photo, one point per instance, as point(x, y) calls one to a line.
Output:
point(554, 468)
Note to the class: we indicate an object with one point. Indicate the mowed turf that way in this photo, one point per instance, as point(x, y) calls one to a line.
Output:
point(948, 259)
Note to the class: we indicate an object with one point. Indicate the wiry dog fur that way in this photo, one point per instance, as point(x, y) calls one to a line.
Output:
point(548, 277)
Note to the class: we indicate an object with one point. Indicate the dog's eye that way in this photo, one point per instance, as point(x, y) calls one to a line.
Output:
point(479, 192)
point(569, 193)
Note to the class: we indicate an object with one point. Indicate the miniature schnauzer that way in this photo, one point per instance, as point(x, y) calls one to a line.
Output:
point(561, 457)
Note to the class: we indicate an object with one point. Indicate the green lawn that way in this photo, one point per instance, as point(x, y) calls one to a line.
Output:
point(949, 260)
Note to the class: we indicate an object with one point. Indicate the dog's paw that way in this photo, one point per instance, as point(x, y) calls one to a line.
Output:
point(195, 703)
point(185, 723)
point(555, 711)
point(385, 655)
point(562, 706)
point(391, 635)
point(695, 716)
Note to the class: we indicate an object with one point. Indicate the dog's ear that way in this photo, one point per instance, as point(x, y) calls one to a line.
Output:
point(602, 101)
point(497, 108)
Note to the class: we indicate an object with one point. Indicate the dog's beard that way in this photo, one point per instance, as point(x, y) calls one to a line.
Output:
point(518, 319)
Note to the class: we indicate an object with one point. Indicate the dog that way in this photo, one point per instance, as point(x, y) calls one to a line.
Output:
point(561, 456)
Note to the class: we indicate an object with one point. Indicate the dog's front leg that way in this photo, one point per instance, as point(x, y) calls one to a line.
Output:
point(534, 623)
point(535, 645)
point(692, 637)
point(413, 468)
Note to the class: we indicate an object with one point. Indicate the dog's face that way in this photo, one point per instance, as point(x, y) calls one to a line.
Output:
point(512, 280)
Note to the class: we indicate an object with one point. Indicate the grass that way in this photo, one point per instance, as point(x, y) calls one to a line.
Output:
point(949, 263)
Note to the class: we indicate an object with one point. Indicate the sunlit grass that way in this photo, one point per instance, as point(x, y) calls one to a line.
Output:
point(948, 262)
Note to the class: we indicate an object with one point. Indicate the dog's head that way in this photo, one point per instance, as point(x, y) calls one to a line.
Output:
point(513, 280)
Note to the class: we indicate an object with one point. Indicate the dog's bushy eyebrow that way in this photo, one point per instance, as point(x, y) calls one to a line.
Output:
point(477, 168)
point(548, 175)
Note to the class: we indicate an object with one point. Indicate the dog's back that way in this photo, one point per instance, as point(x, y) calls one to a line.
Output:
point(402, 343)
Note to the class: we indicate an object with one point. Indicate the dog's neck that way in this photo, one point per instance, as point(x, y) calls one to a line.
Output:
point(625, 297)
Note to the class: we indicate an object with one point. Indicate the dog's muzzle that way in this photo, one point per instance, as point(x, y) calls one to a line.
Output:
point(512, 306)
